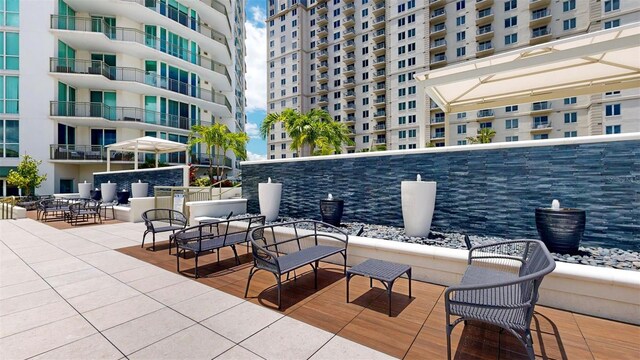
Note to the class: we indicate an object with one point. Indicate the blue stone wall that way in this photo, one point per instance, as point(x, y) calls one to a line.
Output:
point(481, 192)
point(161, 177)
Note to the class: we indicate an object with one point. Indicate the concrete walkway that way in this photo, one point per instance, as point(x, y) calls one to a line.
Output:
point(66, 294)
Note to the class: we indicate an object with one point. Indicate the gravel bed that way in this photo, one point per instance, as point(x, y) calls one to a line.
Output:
point(595, 256)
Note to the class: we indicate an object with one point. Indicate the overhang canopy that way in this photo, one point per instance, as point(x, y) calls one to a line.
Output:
point(146, 144)
point(596, 62)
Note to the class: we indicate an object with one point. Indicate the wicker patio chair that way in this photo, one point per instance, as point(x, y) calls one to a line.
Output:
point(500, 287)
point(162, 220)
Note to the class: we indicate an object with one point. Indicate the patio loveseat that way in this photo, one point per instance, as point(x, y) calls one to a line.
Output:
point(500, 287)
point(284, 247)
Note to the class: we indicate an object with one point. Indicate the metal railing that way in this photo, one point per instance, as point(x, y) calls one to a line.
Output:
point(117, 73)
point(6, 207)
point(117, 113)
point(63, 22)
point(176, 197)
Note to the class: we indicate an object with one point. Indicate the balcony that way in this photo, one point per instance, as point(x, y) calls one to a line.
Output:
point(540, 17)
point(380, 114)
point(96, 34)
point(541, 127)
point(321, 9)
point(349, 9)
point(380, 127)
point(439, 45)
point(323, 54)
point(323, 101)
point(379, 75)
point(437, 135)
point(436, 3)
point(350, 33)
point(99, 114)
point(323, 43)
point(379, 22)
point(484, 49)
point(379, 8)
point(349, 70)
point(323, 89)
point(350, 82)
point(438, 30)
point(438, 60)
point(379, 49)
point(540, 35)
point(350, 58)
point(439, 120)
point(380, 141)
point(484, 115)
point(482, 4)
point(541, 107)
point(349, 95)
point(85, 153)
point(348, 21)
point(484, 33)
point(438, 15)
point(380, 88)
point(380, 101)
point(348, 1)
point(380, 62)
point(323, 78)
point(323, 31)
point(352, 131)
point(485, 16)
point(349, 45)
point(350, 119)
point(536, 4)
point(378, 35)
point(322, 20)
point(82, 73)
point(323, 66)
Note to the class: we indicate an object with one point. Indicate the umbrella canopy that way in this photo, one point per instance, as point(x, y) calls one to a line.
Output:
point(596, 62)
point(146, 144)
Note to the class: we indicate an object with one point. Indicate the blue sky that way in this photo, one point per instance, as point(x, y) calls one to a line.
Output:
point(256, 59)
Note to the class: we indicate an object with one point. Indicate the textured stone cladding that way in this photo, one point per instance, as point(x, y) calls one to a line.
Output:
point(164, 177)
point(481, 192)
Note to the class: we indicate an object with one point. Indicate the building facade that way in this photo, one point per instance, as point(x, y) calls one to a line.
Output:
point(357, 58)
point(87, 74)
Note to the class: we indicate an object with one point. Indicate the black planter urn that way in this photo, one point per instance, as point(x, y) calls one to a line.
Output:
point(96, 195)
point(561, 230)
point(123, 197)
point(331, 211)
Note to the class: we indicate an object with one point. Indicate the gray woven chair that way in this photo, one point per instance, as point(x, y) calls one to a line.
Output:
point(162, 220)
point(284, 247)
point(500, 287)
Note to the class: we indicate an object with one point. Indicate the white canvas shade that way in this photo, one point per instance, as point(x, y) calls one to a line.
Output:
point(146, 144)
point(596, 62)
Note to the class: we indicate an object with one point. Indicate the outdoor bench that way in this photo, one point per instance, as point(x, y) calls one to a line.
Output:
point(84, 210)
point(211, 236)
point(500, 287)
point(162, 220)
point(284, 247)
point(56, 207)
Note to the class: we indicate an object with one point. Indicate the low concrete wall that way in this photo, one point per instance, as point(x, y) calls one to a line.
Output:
point(215, 208)
point(602, 292)
point(139, 205)
point(17, 212)
point(165, 176)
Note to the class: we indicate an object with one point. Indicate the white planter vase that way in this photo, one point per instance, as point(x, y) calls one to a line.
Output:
point(139, 189)
point(418, 202)
point(269, 195)
point(85, 190)
point(108, 192)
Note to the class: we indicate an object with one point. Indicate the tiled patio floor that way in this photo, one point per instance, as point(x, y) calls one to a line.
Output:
point(66, 294)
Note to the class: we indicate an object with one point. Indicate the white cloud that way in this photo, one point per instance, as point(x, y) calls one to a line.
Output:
point(252, 156)
point(256, 60)
point(252, 130)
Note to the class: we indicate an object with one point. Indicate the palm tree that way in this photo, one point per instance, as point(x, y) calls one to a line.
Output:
point(312, 133)
point(217, 139)
point(484, 136)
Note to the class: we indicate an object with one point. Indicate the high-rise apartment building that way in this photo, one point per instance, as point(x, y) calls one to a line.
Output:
point(78, 75)
point(357, 58)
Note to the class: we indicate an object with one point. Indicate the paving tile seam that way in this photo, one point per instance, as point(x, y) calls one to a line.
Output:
point(61, 346)
point(586, 341)
point(31, 308)
point(241, 347)
point(435, 303)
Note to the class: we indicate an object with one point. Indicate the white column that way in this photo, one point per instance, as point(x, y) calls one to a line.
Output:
point(108, 159)
point(135, 157)
point(157, 156)
point(422, 116)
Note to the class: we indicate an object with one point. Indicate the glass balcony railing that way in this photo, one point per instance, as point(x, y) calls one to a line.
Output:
point(118, 113)
point(96, 67)
point(485, 113)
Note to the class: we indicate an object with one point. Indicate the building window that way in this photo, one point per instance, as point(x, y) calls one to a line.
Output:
point(511, 124)
point(9, 139)
point(412, 133)
point(570, 134)
point(413, 146)
point(540, 136)
point(273, 147)
point(402, 147)
point(283, 146)
point(460, 36)
point(511, 108)
point(365, 139)
point(568, 5)
point(611, 5)
point(510, 5)
point(511, 39)
point(462, 142)
point(9, 103)
point(461, 115)
point(9, 58)
point(611, 24)
point(402, 120)
point(412, 119)
point(509, 22)
point(486, 125)
point(570, 100)
point(569, 24)
point(511, 138)
point(10, 12)
point(613, 129)
point(462, 129)
point(612, 109)
point(402, 134)
point(460, 20)
point(460, 4)
point(570, 117)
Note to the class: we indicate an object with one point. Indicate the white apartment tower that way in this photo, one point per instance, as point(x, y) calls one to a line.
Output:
point(356, 59)
point(80, 74)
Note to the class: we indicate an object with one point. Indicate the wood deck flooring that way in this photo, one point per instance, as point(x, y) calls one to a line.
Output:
point(416, 329)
